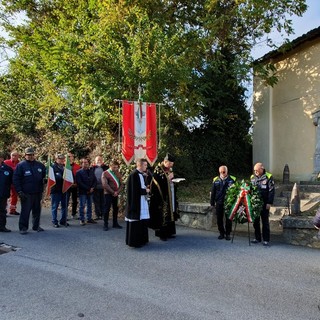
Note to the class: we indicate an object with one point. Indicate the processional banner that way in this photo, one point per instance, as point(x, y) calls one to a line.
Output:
point(139, 131)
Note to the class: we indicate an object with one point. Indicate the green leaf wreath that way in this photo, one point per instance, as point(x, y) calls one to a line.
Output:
point(243, 202)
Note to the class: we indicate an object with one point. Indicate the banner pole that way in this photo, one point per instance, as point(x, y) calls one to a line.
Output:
point(119, 119)
point(159, 126)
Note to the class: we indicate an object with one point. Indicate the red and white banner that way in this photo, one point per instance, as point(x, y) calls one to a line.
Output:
point(139, 131)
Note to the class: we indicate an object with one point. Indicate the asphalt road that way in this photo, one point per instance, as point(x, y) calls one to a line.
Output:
point(87, 273)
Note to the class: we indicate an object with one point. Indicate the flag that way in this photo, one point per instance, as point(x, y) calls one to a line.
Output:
point(67, 176)
point(139, 131)
point(50, 176)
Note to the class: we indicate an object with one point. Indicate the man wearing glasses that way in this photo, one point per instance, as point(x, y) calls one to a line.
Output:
point(220, 185)
point(265, 184)
point(28, 180)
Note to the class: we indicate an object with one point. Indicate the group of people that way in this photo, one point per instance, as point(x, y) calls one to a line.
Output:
point(98, 184)
point(151, 197)
point(263, 180)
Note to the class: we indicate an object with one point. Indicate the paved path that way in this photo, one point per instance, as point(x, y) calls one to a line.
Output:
point(86, 273)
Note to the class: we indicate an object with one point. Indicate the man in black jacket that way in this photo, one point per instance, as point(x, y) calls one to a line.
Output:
point(6, 174)
point(220, 185)
point(86, 182)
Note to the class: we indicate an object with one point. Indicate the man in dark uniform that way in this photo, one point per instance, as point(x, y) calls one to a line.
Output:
point(137, 211)
point(265, 183)
point(163, 201)
point(28, 180)
point(6, 174)
point(219, 189)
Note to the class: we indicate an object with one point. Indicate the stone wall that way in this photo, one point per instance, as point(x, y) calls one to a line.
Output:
point(197, 215)
point(300, 231)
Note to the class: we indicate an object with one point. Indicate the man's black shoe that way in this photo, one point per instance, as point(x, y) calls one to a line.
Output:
point(221, 237)
point(228, 237)
point(105, 228)
point(255, 241)
point(39, 229)
point(65, 224)
point(4, 229)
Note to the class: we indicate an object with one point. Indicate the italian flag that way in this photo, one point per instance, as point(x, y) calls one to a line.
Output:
point(67, 176)
point(50, 176)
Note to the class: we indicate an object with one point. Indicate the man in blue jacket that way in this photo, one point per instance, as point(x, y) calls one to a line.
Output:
point(86, 181)
point(5, 185)
point(28, 180)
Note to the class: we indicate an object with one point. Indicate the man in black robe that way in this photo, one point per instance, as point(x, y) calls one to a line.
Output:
point(137, 210)
point(163, 201)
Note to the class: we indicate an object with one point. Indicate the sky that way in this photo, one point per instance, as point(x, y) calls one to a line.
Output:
point(301, 25)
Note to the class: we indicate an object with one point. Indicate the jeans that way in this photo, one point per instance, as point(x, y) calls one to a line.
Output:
point(85, 201)
point(56, 199)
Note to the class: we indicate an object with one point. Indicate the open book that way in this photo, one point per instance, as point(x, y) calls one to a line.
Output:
point(176, 180)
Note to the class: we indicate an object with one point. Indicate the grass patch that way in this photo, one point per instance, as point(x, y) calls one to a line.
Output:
point(194, 191)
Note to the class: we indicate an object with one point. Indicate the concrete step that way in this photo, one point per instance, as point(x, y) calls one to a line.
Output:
point(279, 211)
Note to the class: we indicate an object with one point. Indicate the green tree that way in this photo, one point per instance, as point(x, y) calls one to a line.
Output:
point(74, 58)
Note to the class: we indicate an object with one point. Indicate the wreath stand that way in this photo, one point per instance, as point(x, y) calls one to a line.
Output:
point(240, 212)
point(234, 231)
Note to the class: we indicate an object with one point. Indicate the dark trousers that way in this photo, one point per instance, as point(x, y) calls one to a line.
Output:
point(265, 226)
point(73, 193)
point(167, 231)
point(110, 200)
point(32, 202)
point(99, 202)
point(137, 233)
point(3, 212)
point(224, 230)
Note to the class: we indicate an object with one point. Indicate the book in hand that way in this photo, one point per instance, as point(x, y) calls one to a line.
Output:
point(176, 180)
